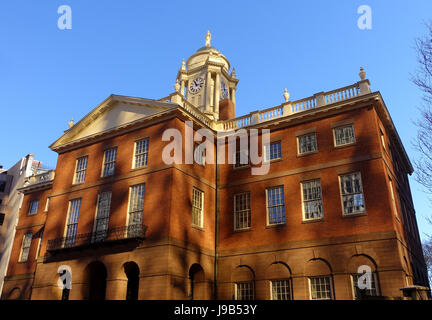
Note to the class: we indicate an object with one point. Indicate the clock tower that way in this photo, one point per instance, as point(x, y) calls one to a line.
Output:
point(206, 81)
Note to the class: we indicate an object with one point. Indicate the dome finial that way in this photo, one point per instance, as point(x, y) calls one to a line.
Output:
point(183, 66)
point(208, 38)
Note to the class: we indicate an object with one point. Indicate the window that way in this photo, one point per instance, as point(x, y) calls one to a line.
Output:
point(47, 204)
point(25, 247)
point(242, 211)
point(244, 290)
point(72, 222)
point(307, 143)
point(312, 203)
point(102, 216)
point(344, 135)
point(199, 153)
point(382, 139)
point(33, 206)
point(358, 293)
point(275, 205)
point(238, 161)
point(273, 151)
point(2, 216)
point(80, 171)
point(197, 207)
point(352, 193)
point(393, 198)
point(320, 288)
point(109, 162)
point(281, 289)
point(141, 153)
point(2, 186)
point(136, 206)
point(39, 243)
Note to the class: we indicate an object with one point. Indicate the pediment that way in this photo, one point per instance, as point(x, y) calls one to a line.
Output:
point(114, 112)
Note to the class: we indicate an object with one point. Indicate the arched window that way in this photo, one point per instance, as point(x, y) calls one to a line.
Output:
point(132, 273)
point(96, 279)
point(197, 290)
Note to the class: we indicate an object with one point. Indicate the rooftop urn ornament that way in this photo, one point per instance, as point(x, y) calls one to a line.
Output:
point(286, 95)
point(208, 39)
point(183, 66)
point(71, 123)
point(233, 75)
point(362, 74)
point(177, 86)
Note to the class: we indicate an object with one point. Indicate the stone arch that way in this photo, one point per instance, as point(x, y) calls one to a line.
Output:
point(317, 267)
point(95, 275)
point(14, 294)
point(278, 270)
point(242, 273)
point(197, 282)
point(358, 260)
point(132, 273)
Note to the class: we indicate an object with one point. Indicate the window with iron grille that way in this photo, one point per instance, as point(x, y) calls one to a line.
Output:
point(141, 153)
point(352, 193)
point(197, 207)
point(244, 290)
point(109, 162)
point(320, 288)
point(281, 289)
point(136, 204)
point(312, 202)
point(80, 171)
point(102, 216)
point(307, 143)
point(275, 205)
point(373, 291)
point(33, 206)
point(344, 135)
point(26, 247)
point(72, 222)
point(242, 211)
point(273, 151)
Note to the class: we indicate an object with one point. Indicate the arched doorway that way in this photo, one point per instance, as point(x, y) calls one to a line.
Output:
point(14, 294)
point(131, 270)
point(197, 287)
point(96, 275)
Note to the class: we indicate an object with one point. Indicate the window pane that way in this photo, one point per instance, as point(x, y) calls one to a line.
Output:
point(102, 216)
point(242, 211)
point(273, 151)
point(281, 289)
point(307, 143)
point(312, 203)
point(109, 163)
point(197, 207)
point(344, 135)
point(33, 206)
point(72, 224)
point(352, 193)
point(320, 288)
point(81, 168)
point(141, 153)
point(245, 291)
point(136, 204)
point(373, 291)
point(276, 205)
point(26, 247)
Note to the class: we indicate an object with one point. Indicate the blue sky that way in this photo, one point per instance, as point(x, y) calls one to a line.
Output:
point(135, 48)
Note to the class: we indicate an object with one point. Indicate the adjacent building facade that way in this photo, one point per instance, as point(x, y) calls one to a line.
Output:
point(134, 218)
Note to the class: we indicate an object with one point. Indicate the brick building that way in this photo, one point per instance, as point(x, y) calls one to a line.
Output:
point(130, 224)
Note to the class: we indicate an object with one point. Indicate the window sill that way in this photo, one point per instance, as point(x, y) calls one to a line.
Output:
point(345, 145)
point(77, 184)
point(313, 220)
point(139, 168)
point(304, 154)
point(353, 215)
point(243, 230)
point(276, 225)
point(198, 228)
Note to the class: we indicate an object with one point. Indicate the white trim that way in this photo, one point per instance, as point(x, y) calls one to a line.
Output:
point(341, 195)
point(344, 144)
point(302, 200)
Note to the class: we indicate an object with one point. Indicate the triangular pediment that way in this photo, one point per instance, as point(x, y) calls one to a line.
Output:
point(114, 112)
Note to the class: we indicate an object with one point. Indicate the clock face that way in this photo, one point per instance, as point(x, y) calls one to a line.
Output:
point(224, 90)
point(196, 85)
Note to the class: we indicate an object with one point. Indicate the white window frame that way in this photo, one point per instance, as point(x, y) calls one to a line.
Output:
point(39, 243)
point(375, 281)
point(80, 170)
point(329, 277)
point(47, 204)
point(272, 297)
point(98, 212)
point(251, 289)
point(139, 208)
point(144, 153)
point(299, 144)
point(246, 211)
point(311, 200)
point(67, 221)
point(342, 195)
point(282, 205)
point(105, 164)
point(23, 258)
point(268, 151)
point(201, 213)
point(342, 127)
point(30, 212)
